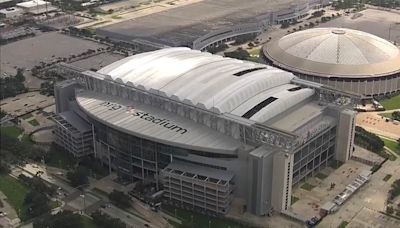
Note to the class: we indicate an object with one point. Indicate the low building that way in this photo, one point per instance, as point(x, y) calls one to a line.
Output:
point(36, 7)
point(11, 12)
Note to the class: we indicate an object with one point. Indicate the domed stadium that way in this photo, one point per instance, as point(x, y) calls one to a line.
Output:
point(345, 59)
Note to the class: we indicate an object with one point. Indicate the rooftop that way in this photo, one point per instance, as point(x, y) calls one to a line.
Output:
point(197, 170)
point(335, 52)
point(221, 85)
point(154, 124)
point(180, 26)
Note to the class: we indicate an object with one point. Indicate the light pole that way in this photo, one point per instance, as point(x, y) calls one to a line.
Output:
point(84, 202)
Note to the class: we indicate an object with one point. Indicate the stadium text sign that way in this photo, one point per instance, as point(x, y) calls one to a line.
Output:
point(146, 116)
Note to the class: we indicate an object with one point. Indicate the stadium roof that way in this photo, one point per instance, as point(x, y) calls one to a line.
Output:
point(221, 85)
point(148, 122)
point(334, 52)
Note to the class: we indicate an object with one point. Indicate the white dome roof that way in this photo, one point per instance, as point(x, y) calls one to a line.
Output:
point(338, 46)
point(212, 82)
point(334, 52)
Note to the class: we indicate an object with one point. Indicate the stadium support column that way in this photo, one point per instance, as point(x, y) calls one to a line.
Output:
point(282, 181)
point(345, 135)
point(260, 180)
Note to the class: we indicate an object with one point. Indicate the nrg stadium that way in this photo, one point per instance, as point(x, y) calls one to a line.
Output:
point(204, 128)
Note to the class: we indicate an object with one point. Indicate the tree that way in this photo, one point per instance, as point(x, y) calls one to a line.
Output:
point(238, 54)
point(120, 199)
point(37, 203)
point(105, 221)
point(4, 169)
point(78, 177)
point(20, 75)
point(285, 24)
point(396, 115)
point(65, 219)
point(368, 140)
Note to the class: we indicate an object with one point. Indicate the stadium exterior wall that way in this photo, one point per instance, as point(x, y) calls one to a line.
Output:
point(367, 86)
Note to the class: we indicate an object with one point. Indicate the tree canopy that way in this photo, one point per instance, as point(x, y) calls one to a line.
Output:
point(120, 199)
point(65, 219)
point(105, 221)
point(78, 177)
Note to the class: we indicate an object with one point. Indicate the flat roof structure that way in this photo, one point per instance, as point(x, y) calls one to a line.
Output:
point(76, 121)
point(180, 26)
point(192, 170)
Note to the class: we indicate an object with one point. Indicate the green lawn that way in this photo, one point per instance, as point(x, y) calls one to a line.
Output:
point(33, 122)
point(321, 176)
point(392, 103)
point(27, 116)
point(87, 222)
point(11, 131)
point(254, 51)
point(199, 220)
point(387, 177)
point(54, 204)
point(343, 224)
point(15, 192)
point(386, 115)
point(393, 145)
point(307, 186)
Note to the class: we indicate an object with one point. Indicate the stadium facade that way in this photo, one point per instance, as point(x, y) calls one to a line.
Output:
point(345, 59)
point(205, 128)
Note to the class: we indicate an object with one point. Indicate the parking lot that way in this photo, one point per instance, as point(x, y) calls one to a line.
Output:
point(378, 22)
point(45, 47)
point(25, 103)
point(310, 201)
point(98, 61)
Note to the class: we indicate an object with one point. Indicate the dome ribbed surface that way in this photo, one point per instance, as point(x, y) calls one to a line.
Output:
point(338, 46)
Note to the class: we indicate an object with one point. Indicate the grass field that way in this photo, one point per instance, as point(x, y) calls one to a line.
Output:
point(392, 103)
point(87, 222)
point(27, 116)
point(255, 51)
point(321, 176)
point(34, 122)
point(393, 145)
point(54, 204)
point(307, 186)
point(193, 219)
point(387, 177)
point(386, 115)
point(343, 224)
point(15, 192)
point(11, 131)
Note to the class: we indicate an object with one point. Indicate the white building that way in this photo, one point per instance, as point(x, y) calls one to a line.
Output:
point(11, 12)
point(36, 7)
